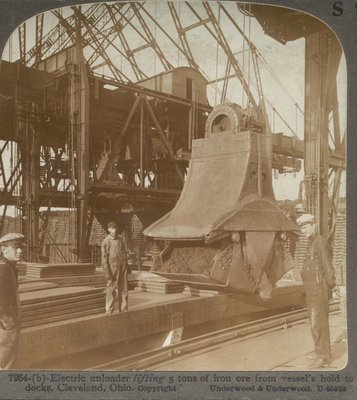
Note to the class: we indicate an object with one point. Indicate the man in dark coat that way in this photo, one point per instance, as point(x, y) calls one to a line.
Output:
point(11, 249)
point(319, 279)
point(114, 263)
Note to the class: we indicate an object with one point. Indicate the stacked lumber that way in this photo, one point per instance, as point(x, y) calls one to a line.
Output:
point(136, 235)
point(156, 284)
point(151, 253)
point(299, 256)
point(196, 292)
point(54, 270)
point(339, 249)
point(21, 269)
point(58, 304)
point(31, 285)
point(94, 280)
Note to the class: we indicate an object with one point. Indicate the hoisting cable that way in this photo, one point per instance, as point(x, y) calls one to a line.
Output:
point(259, 56)
point(249, 56)
point(155, 55)
point(243, 66)
point(217, 52)
point(285, 90)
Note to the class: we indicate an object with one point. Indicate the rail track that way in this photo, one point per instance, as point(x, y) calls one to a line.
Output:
point(203, 343)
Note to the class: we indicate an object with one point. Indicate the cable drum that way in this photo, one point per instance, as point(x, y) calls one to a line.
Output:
point(224, 118)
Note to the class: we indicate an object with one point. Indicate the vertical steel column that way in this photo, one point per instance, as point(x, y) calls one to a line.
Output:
point(142, 143)
point(82, 151)
point(22, 42)
point(322, 54)
point(39, 35)
point(190, 135)
point(30, 155)
point(315, 68)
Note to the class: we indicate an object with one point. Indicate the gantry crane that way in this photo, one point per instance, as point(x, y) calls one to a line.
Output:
point(120, 46)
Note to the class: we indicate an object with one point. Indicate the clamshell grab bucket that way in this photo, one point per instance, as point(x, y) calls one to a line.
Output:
point(228, 190)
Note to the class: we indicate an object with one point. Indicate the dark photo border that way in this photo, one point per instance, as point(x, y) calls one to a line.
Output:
point(344, 24)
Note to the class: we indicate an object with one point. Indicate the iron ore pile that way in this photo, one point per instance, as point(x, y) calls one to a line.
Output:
point(193, 258)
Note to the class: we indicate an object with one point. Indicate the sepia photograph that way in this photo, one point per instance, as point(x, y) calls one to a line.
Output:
point(172, 194)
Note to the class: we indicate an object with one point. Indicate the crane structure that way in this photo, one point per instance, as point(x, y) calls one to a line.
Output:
point(323, 139)
point(98, 111)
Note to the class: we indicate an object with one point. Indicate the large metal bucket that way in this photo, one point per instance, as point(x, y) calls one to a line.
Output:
point(228, 190)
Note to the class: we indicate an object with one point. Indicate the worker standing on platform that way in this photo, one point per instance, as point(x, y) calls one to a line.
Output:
point(318, 277)
point(11, 249)
point(114, 263)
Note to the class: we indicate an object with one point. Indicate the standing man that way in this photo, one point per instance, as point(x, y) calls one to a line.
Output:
point(11, 249)
point(114, 264)
point(318, 277)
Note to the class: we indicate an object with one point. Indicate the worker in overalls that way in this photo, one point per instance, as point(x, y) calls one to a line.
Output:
point(11, 249)
point(114, 263)
point(318, 276)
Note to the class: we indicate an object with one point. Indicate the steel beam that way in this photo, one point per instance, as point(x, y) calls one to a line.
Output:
point(22, 42)
point(82, 150)
point(322, 54)
point(93, 32)
point(39, 36)
point(182, 35)
point(118, 140)
point(27, 129)
point(139, 74)
point(151, 38)
point(218, 35)
point(162, 135)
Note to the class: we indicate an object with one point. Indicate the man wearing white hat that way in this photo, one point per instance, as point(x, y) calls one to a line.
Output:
point(318, 277)
point(11, 249)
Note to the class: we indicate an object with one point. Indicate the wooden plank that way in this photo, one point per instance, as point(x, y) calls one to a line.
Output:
point(160, 291)
point(54, 269)
point(45, 307)
point(32, 286)
point(57, 275)
point(79, 271)
point(43, 270)
point(40, 314)
point(58, 265)
point(150, 286)
point(63, 317)
point(57, 269)
point(95, 280)
point(56, 293)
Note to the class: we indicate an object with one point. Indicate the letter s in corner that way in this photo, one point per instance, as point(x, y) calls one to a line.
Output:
point(337, 8)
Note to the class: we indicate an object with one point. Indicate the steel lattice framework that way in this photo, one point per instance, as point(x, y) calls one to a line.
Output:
point(122, 44)
point(133, 41)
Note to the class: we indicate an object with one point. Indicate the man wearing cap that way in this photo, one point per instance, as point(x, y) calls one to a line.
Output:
point(11, 249)
point(114, 263)
point(318, 276)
